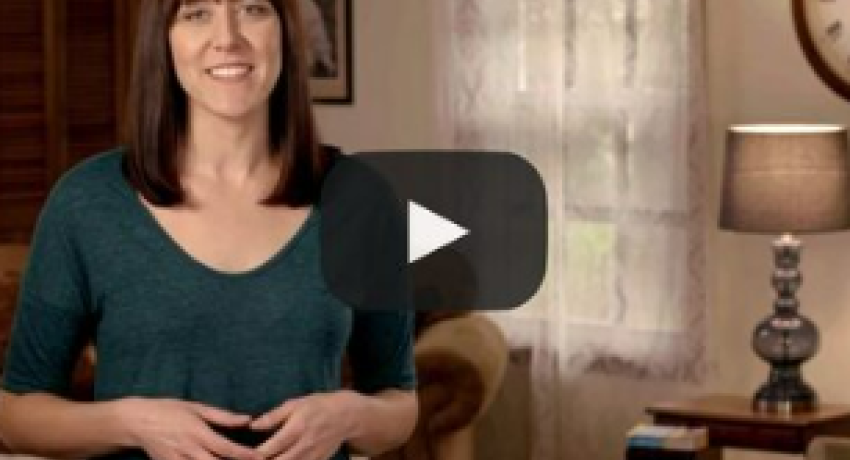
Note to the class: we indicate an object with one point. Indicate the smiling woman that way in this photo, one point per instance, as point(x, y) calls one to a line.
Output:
point(191, 258)
point(179, 44)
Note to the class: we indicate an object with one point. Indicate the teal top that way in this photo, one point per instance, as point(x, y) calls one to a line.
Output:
point(165, 325)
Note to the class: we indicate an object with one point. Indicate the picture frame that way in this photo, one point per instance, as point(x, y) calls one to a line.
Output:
point(327, 27)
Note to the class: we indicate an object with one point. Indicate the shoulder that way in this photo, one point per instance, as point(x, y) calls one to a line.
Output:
point(93, 170)
point(89, 180)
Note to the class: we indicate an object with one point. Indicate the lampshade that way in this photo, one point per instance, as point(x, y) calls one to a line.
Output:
point(786, 178)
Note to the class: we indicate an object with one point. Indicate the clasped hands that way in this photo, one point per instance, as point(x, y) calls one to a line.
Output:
point(308, 428)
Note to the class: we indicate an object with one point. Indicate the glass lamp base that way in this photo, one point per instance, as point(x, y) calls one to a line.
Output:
point(785, 397)
point(786, 339)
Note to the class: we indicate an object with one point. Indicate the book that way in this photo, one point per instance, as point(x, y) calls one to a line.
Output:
point(668, 437)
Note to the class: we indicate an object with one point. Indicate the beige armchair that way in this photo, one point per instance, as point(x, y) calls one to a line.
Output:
point(460, 363)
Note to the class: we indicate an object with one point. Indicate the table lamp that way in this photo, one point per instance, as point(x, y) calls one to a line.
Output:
point(786, 180)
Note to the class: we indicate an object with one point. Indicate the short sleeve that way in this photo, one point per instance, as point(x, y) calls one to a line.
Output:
point(48, 329)
point(380, 350)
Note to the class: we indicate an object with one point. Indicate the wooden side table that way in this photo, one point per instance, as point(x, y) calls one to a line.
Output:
point(732, 423)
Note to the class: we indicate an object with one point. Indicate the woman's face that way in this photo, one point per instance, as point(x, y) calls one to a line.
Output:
point(227, 54)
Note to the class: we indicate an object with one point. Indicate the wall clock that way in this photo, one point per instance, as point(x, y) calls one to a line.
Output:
point(823, 28)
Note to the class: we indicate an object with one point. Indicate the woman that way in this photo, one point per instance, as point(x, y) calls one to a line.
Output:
point(191, 259)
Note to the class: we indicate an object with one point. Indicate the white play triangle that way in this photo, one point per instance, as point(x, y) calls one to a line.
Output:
point(429, 231)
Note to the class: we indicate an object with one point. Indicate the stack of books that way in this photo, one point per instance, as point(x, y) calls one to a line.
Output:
point(668, 437)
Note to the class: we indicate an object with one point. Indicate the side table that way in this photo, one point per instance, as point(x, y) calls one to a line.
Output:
point(731, 422)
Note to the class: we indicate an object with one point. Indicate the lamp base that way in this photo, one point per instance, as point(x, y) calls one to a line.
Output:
point(785, 396)
point(785, 339)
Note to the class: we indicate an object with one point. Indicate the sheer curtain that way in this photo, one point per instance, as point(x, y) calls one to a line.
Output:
point(606, 99)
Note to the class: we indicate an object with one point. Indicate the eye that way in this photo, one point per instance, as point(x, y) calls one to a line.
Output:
point(196, 15)
point(258, 9)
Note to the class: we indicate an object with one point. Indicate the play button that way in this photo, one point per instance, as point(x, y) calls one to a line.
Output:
point(433, 230)
point(429, 231)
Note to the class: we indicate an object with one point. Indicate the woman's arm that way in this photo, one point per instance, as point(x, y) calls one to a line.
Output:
point(46, 425)
point(381, 422)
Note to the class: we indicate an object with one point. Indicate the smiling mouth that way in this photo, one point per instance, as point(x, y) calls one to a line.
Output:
point(230, 72)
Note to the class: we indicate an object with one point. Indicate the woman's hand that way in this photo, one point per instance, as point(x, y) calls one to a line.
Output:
point(169, 429)
point(308, 428)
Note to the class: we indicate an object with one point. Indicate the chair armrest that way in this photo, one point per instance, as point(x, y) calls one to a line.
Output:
point(461, 363)
point(829, 448)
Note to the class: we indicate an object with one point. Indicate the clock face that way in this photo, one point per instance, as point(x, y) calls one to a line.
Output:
point(823, 27)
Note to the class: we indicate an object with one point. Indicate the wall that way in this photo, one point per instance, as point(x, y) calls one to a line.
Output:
point(757, 73)
point(394, 104)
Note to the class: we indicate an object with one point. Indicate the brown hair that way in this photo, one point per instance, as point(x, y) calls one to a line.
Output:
point(158, 113)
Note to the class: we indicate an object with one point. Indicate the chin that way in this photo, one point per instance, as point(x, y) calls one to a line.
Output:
point(233, 112)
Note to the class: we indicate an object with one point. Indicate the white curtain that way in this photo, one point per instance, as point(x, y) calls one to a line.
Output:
point(606, 99)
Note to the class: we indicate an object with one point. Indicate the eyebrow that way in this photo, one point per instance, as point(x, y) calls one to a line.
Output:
point(195, 2)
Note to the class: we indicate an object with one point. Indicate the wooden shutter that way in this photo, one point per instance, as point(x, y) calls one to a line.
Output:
point(90, 78)
point(24, 144)
point(64, 66)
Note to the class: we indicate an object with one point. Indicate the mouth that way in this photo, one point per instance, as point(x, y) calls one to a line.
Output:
point(230, 72)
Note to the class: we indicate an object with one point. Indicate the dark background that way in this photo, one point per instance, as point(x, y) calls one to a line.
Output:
point(64, 70)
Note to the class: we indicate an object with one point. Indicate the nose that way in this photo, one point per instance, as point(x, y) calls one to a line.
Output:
point(227, 35)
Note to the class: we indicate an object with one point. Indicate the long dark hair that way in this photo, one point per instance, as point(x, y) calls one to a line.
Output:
point(158, 114)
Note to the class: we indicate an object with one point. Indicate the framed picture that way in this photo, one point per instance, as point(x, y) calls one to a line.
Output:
point(327, 26)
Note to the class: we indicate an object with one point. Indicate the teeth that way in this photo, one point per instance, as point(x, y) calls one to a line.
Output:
point(231, 71)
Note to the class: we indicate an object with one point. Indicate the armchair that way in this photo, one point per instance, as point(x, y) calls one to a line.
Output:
point(460, 362)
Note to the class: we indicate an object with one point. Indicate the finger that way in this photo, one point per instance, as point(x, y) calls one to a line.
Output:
point(300, 453)
point(282, 442)
point(223, 448)
point(273, 418)
point(169, 455)
point(220, 417)
point(198, 453)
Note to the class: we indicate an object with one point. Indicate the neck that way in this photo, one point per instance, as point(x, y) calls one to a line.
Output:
point(225, 149)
